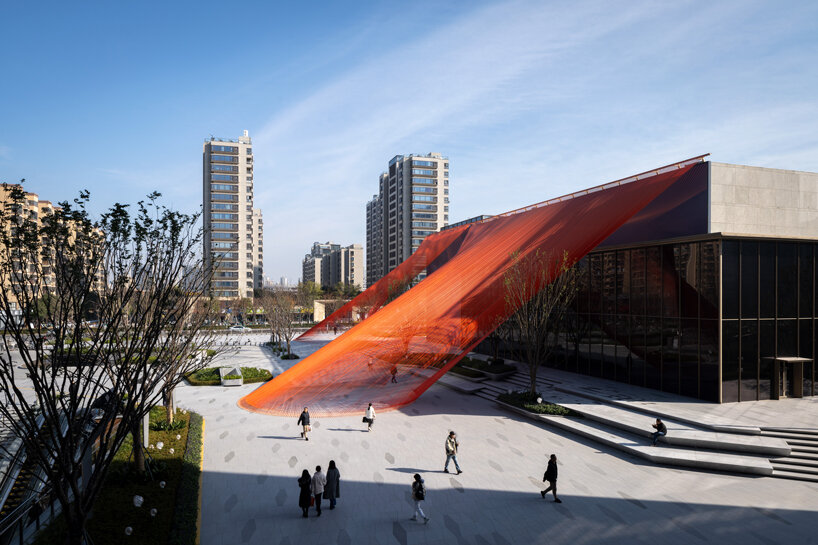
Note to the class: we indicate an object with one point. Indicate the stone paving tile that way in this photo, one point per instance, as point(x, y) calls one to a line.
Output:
point(252, 497)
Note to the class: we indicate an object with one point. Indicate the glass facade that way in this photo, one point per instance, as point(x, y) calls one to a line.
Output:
point(655, 316)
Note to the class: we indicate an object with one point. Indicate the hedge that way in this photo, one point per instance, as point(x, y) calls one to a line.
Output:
point(209, 376)
point(466, 372)
point(184, 530)
point(528, 402)
point(482, 365)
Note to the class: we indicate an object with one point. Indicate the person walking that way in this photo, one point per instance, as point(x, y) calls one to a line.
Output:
point(394, 372)
point(451, 452)
point(333, 489)
point(304, 421)
point(419, 495)
point(305, 484)
point(319, 481)
point(551, 477)
point(369, 417)
point(661, 430)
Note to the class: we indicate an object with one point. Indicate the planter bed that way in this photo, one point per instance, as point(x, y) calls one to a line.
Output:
point(468, 374)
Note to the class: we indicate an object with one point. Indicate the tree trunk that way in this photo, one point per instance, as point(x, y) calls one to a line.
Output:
point(532, 375)
point(76, 525)
point(138, 453)
point(169, 408)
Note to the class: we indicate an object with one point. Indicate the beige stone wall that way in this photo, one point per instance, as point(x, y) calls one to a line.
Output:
point(763, 201)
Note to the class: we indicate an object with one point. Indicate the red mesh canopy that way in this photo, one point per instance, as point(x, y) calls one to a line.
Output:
point(425, 331)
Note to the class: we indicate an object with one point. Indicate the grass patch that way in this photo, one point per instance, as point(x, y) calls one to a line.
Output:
point(114, 508)
point(289, 357)
point(528, 401)
point(209, 376)
point(183, 529)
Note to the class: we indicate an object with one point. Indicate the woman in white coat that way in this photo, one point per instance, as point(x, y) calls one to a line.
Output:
point(369, 417)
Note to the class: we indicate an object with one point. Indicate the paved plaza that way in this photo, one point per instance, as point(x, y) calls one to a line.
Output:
point(252, 461)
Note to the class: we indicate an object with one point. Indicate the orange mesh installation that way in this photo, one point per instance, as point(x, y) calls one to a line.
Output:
point(396, 353)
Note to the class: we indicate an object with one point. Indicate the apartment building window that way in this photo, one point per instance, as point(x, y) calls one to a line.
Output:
point(249, 151)
point(234, 217)
point(224, 158)
point(224, 178)
point(224, 168)
point(224, 235)
point(229, 226)
point(221, 197)
point(423, 163)
point(220, 206)
point(416, 189)
point(224, 149)
point(423, 172)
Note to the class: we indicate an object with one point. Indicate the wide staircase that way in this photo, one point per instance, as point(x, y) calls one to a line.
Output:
point(802, 462)
point(779, 452)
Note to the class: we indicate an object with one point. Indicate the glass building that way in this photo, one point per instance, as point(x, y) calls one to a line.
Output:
point(709, 292)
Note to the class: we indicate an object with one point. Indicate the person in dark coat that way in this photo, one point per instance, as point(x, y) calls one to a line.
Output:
point(661, 430)
point(304, 421)
point(305, 483)
point(332, 490)
point(551, 477)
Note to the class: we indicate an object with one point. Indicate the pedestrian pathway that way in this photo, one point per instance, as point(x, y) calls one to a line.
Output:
point(252, 461)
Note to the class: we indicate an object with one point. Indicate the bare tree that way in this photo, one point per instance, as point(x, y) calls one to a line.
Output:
point(83, 392)
point(539, 289)
point(281, 309)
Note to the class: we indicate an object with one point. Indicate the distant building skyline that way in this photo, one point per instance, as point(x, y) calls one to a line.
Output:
point(329, 263)
point(412, 203)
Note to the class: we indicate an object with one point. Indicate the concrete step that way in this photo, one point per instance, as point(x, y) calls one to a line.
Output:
point(803, 455)
point(805, 462)
point(805, 450)
point(674, 456)
point(802, 443)
point(795, 468)
point(679, 434)
point(797, 431)
point(782, 474)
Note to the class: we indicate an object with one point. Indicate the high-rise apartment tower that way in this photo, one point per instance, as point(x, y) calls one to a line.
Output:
point(412, 203)
point(232, 236)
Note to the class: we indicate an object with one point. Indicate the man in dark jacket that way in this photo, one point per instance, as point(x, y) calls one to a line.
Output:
point(661, 430)
point(551, 477)
point(304, 420)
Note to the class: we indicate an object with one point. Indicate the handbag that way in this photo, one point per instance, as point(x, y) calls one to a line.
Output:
point(308, 428)
point(365, 420)
point(312, 501)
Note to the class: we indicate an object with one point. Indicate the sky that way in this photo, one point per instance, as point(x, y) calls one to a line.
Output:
point(529, 99)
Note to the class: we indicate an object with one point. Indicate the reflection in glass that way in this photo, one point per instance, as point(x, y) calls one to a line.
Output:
point(749, 360)
point(670, 280)
point(689, 279)
point(787, 280)
point(805, 351)
point(730, 279)
point(654, 281)
point(709, 283)
point(670, 355)
point(709, 387)
point(805, 280)
point(637, 351)
point(653, 353)
point(637, 285)
point(749, 279)
point(766, 351)
point(689, 358)
point(766, 278)
point(729, 361)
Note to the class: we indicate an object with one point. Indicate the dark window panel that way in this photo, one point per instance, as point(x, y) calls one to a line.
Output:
point(709, 282)
point(766, 340)
point(653, 352)
point(670, 355)
point(729, 361)
point(595, 305)
point(749, 360)
point(689, 358)
point(709, 385)
point(583, 286)
point(637, 287)
point(595, 355)
point(730, 279)
point(670, 281)
point(805, 351)
point(609, 350)
point(749, 279)
point(805, 278)
point(766, 264)
point(787, 339)
point(623, 282)
point(622, 357)
point(787, 280)
point(654, 281)
point(609, 283)
point(637, 351)
point(690, 275)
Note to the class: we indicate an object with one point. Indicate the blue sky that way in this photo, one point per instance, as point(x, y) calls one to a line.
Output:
point(528, 99)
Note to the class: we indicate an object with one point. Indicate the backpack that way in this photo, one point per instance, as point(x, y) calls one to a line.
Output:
point(420, 491)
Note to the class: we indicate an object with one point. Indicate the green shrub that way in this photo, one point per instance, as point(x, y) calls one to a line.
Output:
point(183, 530)
point(289, 357)
point(528, 401)
point(162, 425)
point(209, 376)
point(254, 374)
point(231, 377)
